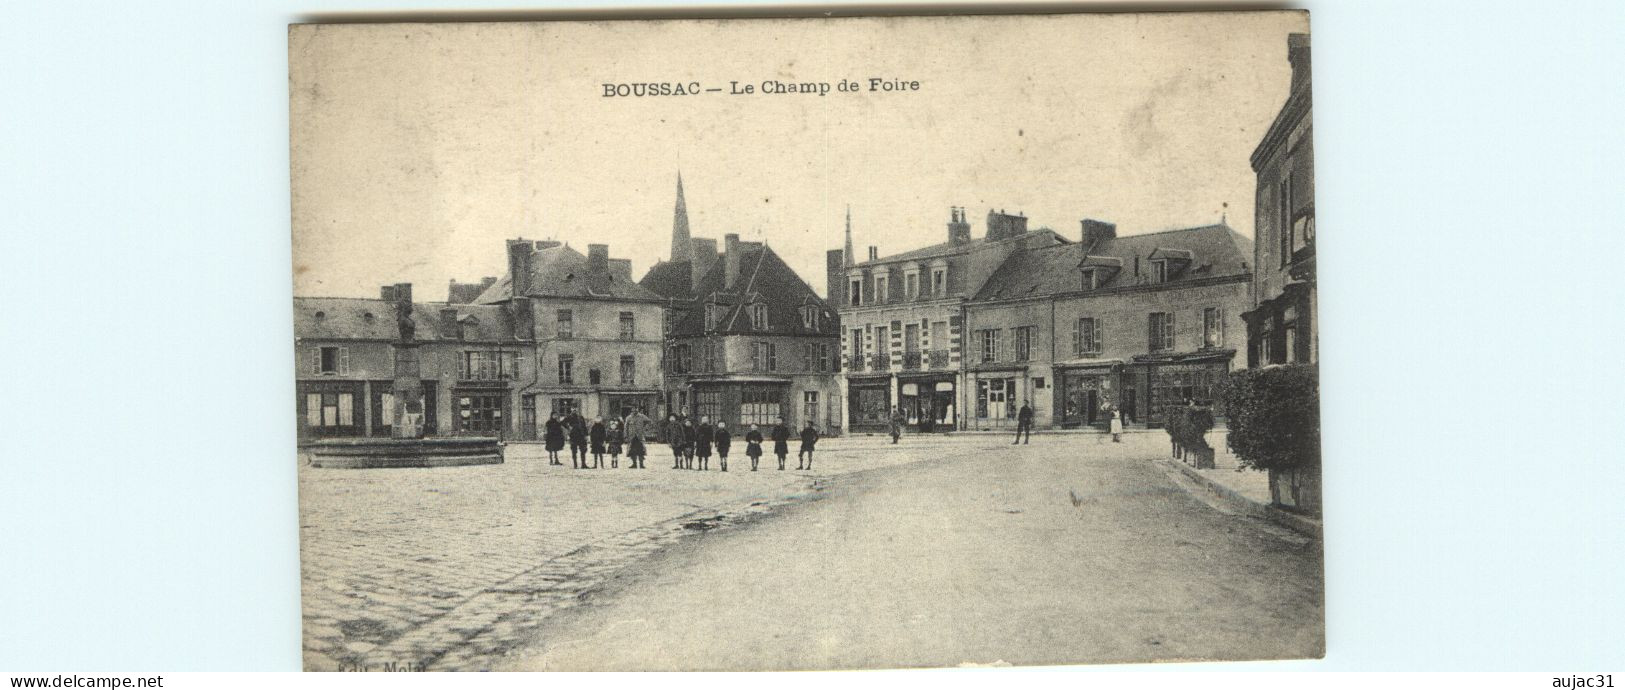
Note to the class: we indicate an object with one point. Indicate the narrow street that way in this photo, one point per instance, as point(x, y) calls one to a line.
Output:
point(1064, 551)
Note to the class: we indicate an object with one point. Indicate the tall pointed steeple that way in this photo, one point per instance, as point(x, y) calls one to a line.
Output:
point(848, 252)
point(680, 244)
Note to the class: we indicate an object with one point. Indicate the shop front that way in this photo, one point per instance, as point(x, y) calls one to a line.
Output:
point(999, 394)
point(869, 400)
point(928, 402)
point(480, 410)
point(1181, 380)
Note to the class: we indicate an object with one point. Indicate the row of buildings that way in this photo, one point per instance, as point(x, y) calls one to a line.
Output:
point(956, 335)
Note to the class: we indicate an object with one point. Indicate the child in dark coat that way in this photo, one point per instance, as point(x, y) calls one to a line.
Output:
point(753, 446)
point(614, 437)
point(723, 441)
point(704, 436)
point(809, 436)
point(597, 434)
point(554, 436)
point(781, 441)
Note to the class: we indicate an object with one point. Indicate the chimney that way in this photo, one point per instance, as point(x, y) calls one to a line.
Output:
point(621, 270)
point(958, 229)
point(448, 324)
point(1097, 231)
point(547, 244)
point(874, 252)
point(835, 276)
point(1297, 53)
point(702, 256)
point(524, 319)
point(730, 260)
point(519, 265)
point(403, 292)
point(387, 293)
point(597, 260)
point(1001, 225)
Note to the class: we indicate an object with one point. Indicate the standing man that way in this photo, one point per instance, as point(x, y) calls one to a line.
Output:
point(1024, 424)
point(809, 437)
point(578, 440)
point(674, 438)
point(638, 426)
point(781, 441)
point(897, 422)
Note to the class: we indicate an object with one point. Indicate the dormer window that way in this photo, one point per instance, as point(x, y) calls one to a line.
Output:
point(1091, 279)
point(469, 330)
point(809, 316)
point(1168, 264)
point(939, 281)
point(713, 314)
point(854, 291)
point(1159, 271)
point(911, 282)
point(758, 316)
point(881, 292)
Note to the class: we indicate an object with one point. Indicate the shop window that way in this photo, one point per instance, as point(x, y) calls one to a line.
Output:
point(708, 403)
point(760, 405)
point(479, 414)
point(330, 411)
point(996, 398)
point(564, 406)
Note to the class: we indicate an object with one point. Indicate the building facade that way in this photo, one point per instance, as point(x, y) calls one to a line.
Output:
point(580, 335)
point(747, 340)
point(902, 320)
point(1133, 323)
point(1281, 325)
point(595, 342)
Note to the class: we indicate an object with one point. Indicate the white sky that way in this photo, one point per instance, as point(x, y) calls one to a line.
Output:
point(419, 148)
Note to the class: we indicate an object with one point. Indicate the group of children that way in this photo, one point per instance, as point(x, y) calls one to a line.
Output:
point(692, 445)
point(590, 442)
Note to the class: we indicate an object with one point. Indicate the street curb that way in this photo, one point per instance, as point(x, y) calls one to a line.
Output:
point(1306, 526)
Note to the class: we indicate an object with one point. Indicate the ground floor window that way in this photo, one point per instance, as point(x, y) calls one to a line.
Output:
point(1175, 386)
point(480, 413)
point(928, 405)
point(996, 398)
point(871, 405)
point(623, 405)
point(809, 408)
point(708, 403)
point(329, 411)
point(564, 406)
point(762, 405)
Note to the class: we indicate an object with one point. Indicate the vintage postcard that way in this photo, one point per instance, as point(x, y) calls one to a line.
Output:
point(790, 344)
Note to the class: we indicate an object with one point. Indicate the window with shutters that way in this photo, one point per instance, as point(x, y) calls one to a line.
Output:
point(1086, 337)
point(763, 357)
point(988, 339)
point(629, 369)
point(489, 365)
point(332, 361)
point(1161, 331)
point(1024, 342)
point(566, 324)
point(1212, 327)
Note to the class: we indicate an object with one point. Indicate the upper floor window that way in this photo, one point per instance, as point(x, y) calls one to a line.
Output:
point(1283, 223)
point(713, 316)
point(1086, 338)
point(331, 361)
point(1159, 271)
point(468, 330)
point(485, 365)
point(1024, 342)
point(567, 368)
point(669, 321)
point(764, 357)
point(911, 285)
point(939, 281)
point(629, 368)
point(809, 316)
point(1161, 331)
point(758, 316)
point(679, 359)
point(567, 324)
point(881, 293)
point(1090, 279)
point(709, 356)
point(1213, 327)
point(989, 340)
point(854, 295)
point(628, 325)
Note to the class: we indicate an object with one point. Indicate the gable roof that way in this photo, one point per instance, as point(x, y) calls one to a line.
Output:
point(669, 279)
point(562, 272)
point(348, 318)
point(1214, 250)
point(764, 278)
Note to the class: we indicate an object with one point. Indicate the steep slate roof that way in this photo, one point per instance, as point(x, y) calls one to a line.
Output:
point(1216, 250)
point(669, 279)
point(346, 318)
point(764, 278)
point(562, 272)
point(949, 248)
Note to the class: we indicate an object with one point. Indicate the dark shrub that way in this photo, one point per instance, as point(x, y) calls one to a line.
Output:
point(1274, 416)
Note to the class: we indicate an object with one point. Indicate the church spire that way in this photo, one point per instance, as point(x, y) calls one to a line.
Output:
point(680, 244)
point(848, 253)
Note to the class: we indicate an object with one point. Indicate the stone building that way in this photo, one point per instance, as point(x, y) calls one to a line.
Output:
point(747, 340)
point(902, 317)
point(468, 357)
point(1281, 326)
point(594, 333)
point(579, 335)
point(1134, 323)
